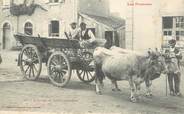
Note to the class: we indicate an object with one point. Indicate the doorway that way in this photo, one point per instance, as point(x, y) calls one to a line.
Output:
point(6, 44)
point(112, 39)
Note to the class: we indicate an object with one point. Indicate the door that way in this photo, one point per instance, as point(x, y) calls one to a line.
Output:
point(109, 39)
point(116, 39)
point(6, 36)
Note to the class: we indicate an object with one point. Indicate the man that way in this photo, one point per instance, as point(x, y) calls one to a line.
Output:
point(73, 32)
point(172, 61)
point(86, 35)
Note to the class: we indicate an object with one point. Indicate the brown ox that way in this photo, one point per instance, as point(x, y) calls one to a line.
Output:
point(118, 66)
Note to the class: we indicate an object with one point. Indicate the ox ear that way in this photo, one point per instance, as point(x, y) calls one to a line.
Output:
point(158, 53)
point(150, 52)
point(156, 50)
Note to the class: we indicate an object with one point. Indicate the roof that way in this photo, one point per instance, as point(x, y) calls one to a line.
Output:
point(113, 22)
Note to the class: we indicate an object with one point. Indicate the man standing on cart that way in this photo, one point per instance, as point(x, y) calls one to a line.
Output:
point(73, 32)
point(86, 36)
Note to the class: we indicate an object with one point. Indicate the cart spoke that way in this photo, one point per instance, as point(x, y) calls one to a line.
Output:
point(34, 60)
point(56, 75)
point(59, 78)
point(80, 72)
point(62, 75)
point(25, 52)
point(30, 52)
point(53, 63)
point(53, 74)
point(30, 72)
point(33, 71)
point(84, 75)
point(90, 74)
point(24, 57)
point(57, 60)
point(34, 67)
point(64, 72)
point(27, 69)
point(87, 75)
point(52, 71)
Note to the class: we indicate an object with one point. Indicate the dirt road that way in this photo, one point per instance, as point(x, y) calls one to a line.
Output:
point(17, 94)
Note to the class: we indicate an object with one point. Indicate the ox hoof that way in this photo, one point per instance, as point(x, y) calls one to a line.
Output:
point(139, 97)
point(172, 93)
point(179, 94)
point(99, 93)
point(149, 95)
point(116, 89)
point(133, 99)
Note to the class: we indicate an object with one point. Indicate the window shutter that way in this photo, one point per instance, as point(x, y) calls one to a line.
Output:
point(50, 29)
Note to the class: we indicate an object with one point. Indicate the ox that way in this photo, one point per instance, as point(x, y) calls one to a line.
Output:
point(132, 67)
point(150, 76)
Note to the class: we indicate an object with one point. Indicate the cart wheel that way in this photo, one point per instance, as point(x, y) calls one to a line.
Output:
point(59, 69)
point(30, 62)
point(87, 74)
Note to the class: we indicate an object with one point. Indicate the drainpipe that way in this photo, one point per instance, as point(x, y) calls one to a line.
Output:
point(133, 25)
point(75, 12)
point(17, 24)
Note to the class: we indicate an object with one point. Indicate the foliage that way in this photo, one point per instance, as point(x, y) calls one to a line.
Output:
point(23, 9)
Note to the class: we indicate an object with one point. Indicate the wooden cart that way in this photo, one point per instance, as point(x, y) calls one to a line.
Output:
point(60, 55)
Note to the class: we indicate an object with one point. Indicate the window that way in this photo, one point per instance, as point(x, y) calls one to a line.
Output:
point(173, 27)
point(179, 34)
point(54, 29)
point(28, 28)
point(180, 22)
point(6, 26)
point(167, 22)
point(167, 33)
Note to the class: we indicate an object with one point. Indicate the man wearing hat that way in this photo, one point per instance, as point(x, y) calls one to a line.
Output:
point(73, 32)
point(86, 35)
point(172, 61)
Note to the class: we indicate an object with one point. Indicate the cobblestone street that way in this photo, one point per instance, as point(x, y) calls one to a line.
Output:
point(18, 94)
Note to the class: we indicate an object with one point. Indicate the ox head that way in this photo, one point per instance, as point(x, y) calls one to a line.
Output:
point(100, 54)
point(156, 64)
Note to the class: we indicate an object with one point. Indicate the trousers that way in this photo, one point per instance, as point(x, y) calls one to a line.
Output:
point(174, 82)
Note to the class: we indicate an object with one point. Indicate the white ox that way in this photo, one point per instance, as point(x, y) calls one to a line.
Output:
point(151, 76)
point(133, 67)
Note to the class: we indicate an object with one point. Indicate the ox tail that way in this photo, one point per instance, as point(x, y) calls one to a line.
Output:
point(99, 73)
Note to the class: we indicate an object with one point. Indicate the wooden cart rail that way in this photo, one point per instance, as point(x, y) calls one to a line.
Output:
point(47, 42)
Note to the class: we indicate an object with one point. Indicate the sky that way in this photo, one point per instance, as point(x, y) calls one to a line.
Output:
point(118, 6)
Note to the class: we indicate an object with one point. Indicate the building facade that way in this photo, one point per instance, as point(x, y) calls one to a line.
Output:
point(48, 18)
point(151, 23)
